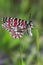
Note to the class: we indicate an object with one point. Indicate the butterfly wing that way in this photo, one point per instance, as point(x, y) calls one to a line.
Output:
point(14, 31)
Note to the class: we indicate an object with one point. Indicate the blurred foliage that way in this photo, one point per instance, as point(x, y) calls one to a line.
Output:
point(28, 50)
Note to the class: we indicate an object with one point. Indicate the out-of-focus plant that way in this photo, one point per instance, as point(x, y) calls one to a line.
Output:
point(25, 51)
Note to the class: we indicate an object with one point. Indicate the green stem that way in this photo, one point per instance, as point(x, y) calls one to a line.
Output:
point(21, 59)
point(37, 45)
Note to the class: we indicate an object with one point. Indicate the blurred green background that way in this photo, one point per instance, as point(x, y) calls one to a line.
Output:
point(28, 50)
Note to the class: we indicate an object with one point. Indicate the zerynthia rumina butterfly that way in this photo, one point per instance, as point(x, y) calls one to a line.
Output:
point(16, 26)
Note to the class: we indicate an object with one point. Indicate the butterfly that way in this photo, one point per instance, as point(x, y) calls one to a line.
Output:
point(16, 27)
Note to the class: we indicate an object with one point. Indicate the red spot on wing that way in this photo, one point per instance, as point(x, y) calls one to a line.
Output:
point(15, 22)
